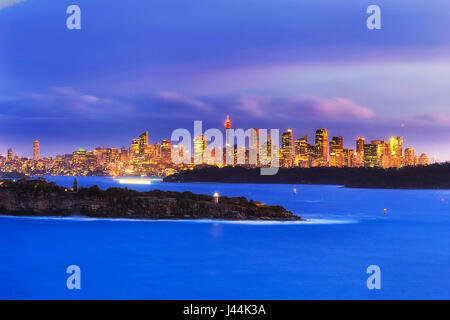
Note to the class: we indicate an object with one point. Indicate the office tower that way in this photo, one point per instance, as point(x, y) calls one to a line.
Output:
point(322, 146)
point(337, 152)
point(265, 156)
point(180, 152)
point(409, 157)
point(370, 155)
point(396, 151)
point(153, 154)
point(166, 151)
point(348, 153)
point(124, 155)
point(253, 157)
point(301, 152)
point(134, 149)
point(143, 142)
point(286, 148)
point(10, 154)
point(423, 159)
point(360, 144)
point(337, 144)
point(200, 145)
point(382, 153)
point(36, 150)
point(301, 146)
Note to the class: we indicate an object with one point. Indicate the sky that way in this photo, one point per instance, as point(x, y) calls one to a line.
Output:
point(161, 64)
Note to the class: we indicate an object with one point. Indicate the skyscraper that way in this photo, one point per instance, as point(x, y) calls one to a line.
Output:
point(286, 148)
point(382, 153)
point(143, 142)
point(36, 150)
point(254, 146)
point(337, 151)
point(370, 155)
point(396, 151)
point(10, 154)
point(166, 151)
point(200, 145)
point(360, 145)
point(410, 158)
point(265, 156)
point(322, 146)
point(134, 149)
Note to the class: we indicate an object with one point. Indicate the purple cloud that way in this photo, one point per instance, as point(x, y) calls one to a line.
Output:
point(304, 106)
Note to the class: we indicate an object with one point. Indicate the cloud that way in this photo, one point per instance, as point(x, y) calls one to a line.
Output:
point(8, 3)
point(434, 119)
point(303, 106)
point(178, 99)
point(63, 103)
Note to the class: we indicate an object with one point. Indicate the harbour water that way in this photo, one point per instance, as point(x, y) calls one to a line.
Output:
point(325, 257)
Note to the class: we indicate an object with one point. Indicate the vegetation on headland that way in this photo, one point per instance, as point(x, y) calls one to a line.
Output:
point(38, 197)
point(436, 176)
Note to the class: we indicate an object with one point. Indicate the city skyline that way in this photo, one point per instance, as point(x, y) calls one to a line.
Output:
point(252, 149)
point(36, 149)
point(266, 63)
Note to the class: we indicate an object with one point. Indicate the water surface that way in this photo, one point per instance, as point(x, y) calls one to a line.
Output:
point(325, 257)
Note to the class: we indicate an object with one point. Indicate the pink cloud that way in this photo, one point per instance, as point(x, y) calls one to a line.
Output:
point(305, 106)
point(173, 97)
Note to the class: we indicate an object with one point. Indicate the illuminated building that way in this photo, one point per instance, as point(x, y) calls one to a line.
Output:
point(382, 153)
point(180, 152)
point(265, 156)
point(166, 151)
point(143, 142)
point(336, 152)
point(36, 150)
point(200, 145)
point(410, 158)
point(286, 148)
point(370, 155)
point(228, 150)
point(254, 144)
point(134, 149)
point(124, 155)
point(322, 146)
point(144, 159)
point(301, 152)
point(358, 157)
point(423, 160)
point(348, 153)
point(396, 151)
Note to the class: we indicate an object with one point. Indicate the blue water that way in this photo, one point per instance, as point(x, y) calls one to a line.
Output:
point(323, 258)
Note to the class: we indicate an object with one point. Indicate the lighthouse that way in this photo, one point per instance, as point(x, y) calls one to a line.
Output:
point(216, 198)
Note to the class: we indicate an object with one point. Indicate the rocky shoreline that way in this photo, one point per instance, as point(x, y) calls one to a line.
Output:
point(41, 198)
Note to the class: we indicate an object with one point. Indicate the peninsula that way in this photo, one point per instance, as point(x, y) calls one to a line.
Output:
point(41, 198)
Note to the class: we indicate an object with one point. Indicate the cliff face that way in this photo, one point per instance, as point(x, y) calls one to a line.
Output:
point(40, 198)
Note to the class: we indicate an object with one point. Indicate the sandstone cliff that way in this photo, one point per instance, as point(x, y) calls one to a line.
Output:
point(41, 198)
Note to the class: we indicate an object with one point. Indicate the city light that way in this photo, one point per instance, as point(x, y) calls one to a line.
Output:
point(143, 159)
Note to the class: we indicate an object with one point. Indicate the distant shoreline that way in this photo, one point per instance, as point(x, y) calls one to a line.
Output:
point(436, 176)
